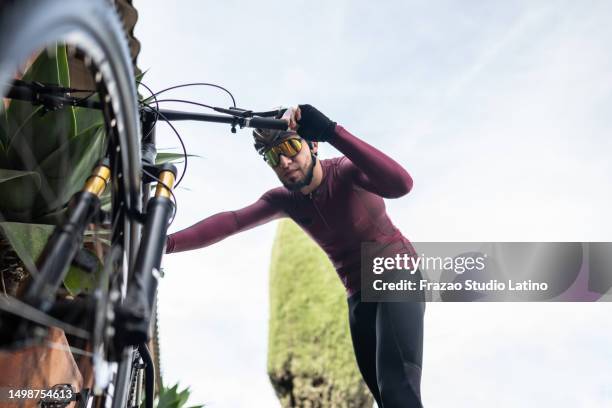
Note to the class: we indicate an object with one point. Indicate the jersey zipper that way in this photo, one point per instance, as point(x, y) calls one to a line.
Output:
point(319, 211)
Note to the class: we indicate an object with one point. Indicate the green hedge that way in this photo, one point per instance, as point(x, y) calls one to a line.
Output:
point(310, 355)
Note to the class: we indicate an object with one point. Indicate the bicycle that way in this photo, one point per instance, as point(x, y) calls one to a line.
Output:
point(112, 227)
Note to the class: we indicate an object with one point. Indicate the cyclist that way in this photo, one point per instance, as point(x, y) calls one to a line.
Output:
point(339, 203)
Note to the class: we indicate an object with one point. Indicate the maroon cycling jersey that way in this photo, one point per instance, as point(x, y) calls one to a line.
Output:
point(344, 211)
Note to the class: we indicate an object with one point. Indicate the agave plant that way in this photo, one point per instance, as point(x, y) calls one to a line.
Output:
point(45, 157)
point(172, 397)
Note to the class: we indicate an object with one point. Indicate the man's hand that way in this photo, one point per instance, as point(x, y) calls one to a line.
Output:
point(309, 123)
point(292, 115)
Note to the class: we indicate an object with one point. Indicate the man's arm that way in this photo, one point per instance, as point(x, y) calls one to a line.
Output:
point(219, 226)
point(370, 168)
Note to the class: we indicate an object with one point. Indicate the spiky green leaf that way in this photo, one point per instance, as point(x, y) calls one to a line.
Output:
point(171, 397)
point(164, 157)
point(67, 168)
point(30, 141)
point(87, 118)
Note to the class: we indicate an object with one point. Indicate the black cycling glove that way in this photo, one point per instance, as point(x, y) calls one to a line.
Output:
point(315, 126)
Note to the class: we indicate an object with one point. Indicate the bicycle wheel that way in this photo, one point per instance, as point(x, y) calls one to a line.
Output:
point(47, 152)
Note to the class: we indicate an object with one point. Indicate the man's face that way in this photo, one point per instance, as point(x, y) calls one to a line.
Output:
point(297, 171)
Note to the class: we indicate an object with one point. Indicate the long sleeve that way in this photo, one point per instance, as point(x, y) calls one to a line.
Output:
point(371, 169)
point(219, 226)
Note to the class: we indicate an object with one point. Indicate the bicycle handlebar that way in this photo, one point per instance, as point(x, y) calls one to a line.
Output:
point(254, 122)
point(54, 97)
point(266, 123)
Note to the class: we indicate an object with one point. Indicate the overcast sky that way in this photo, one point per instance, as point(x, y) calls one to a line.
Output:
point(499, 110)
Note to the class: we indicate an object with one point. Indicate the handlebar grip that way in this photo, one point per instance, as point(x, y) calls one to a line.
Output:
point(266, 123)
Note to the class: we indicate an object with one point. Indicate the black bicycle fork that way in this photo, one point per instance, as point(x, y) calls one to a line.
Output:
point(134, 315)
point(64, 247)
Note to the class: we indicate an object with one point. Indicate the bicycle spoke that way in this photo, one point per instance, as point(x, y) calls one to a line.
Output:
point(27, 312)
point(72, 349)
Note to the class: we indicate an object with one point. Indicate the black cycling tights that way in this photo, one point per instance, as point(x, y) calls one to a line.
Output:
point(388, 342)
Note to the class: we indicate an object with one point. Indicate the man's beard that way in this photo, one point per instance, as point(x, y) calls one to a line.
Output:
point(298, 185)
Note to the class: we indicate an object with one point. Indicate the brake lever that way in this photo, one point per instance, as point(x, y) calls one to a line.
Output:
point(242, 113)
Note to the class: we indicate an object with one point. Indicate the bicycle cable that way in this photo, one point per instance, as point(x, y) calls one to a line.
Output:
point(198, 84)
point(83, 99)
point(156, 105)
point(157, 114)
point(186, 101)
point(165, 119)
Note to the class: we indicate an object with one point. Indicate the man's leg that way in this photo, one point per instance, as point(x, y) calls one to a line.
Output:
point(399, 353)
point(362, 321)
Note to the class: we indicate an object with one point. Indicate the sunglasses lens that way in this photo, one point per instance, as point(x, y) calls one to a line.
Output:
point(272, 157)
point(288, 148)
point(291, 147)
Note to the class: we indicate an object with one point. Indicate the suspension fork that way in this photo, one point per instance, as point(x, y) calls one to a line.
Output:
point(135, 313)
point(133, 317)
